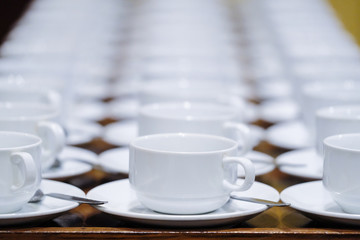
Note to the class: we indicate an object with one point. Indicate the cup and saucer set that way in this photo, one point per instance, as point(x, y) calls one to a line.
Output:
point(335, 198)
point(328, 108)
point(193, 108)
point(332, 126)
point(21, 176)
point(307, 161)
point(179, 139)
point(60, 159)
point(33, 151)
point(208, 118)
point(184, 192)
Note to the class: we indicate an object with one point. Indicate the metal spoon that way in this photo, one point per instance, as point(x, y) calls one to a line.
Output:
point(39, 195)
point(260, 201)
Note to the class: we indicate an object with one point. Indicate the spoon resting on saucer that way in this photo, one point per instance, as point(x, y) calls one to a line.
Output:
point(39, 195)
point(260, 201)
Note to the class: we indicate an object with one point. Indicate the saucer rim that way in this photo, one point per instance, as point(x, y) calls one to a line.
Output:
point(270, 133)
point(71, 205)
point(284, 169)
point(98, 105)
point(59, 175)
point(63, 175)
point(110, 129)
point(84, 124)
point(319, 186)
point(106, 167)
point(269, 103)
point(174, 218)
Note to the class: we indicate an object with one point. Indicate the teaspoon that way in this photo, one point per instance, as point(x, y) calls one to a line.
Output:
point(260, 201)
point(39, 195)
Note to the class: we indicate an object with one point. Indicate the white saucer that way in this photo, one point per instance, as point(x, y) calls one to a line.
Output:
point(47, 209)
point(90, 110)
point(71, 168)
point(263, 163)
point(123, 132)
point(81, 131)
point(288, 135)
point(279, 110)
point(257, 134)
point(251, 113)
point(116, 160)
point(313, 200)
point(125, 86)
point(124, 108)
point(120, 133)
point(272, 89)
point(304, 163)
point(93, 91)
point(124, 205)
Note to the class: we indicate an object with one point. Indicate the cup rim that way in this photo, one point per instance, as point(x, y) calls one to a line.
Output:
point(22, 134)
point(328, 142)
point(326, 112)
point(148, 110)
point(183, 85)
point(45, 116)
point(134, 145)
point(313, 89)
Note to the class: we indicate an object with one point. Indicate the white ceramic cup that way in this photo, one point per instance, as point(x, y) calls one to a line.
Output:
point(336, 120)
point(174, 90)
point(321, 94)
point(20, 169)
point(37, 119)
point(183, 173)
point(341, 170)
point(194, 117)
point(166, 90)
point(224, 70)
point(15, 93)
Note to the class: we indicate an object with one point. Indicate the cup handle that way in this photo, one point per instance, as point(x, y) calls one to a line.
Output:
point(244, 131)
point(55, 138)
point(24, 164)
point(249, 174)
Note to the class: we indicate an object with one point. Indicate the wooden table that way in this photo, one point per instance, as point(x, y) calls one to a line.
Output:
point(88, 223)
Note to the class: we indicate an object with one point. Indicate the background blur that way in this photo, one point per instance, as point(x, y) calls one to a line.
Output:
point(348, 12)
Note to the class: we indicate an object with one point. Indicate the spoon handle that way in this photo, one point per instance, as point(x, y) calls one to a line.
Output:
point(260, 201)
point(75, 199)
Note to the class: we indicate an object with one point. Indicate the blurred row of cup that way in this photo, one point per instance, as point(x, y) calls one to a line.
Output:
point(54, 51)
point(184, 59)
point(186, 64)
point(300, 48)
point(68, 47)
